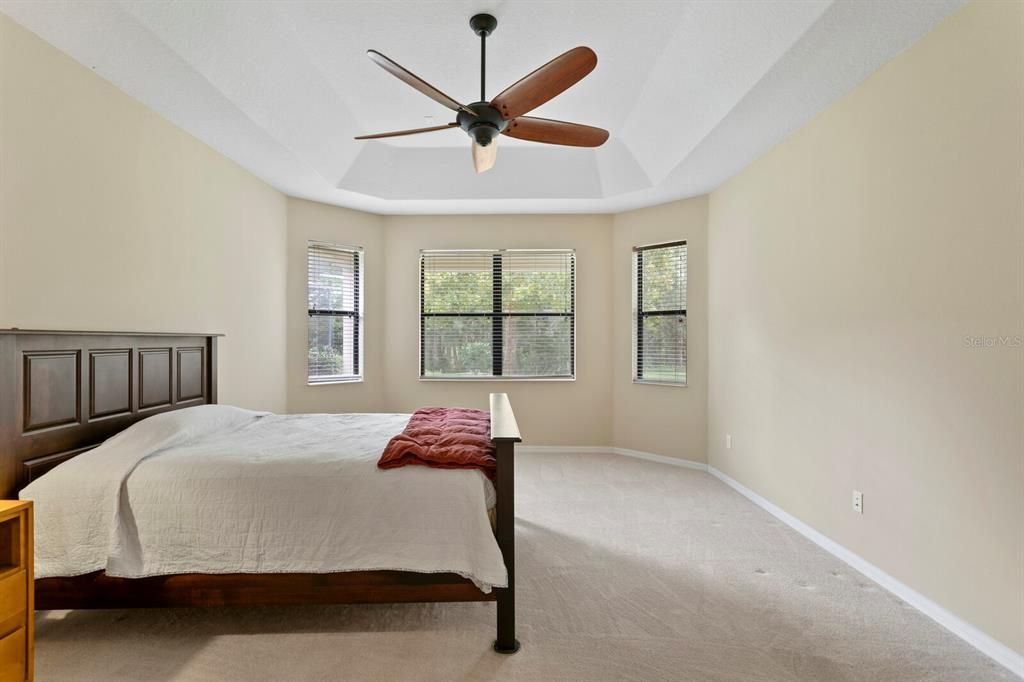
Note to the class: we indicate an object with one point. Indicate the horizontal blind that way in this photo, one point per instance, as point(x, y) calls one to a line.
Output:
point(456, 305)
point(334, 286)
point(660, 333)
point(504, 313)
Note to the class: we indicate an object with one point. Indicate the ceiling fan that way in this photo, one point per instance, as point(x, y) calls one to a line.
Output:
point(504, 114)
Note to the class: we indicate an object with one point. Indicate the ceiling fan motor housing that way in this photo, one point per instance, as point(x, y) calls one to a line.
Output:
point(485, 125)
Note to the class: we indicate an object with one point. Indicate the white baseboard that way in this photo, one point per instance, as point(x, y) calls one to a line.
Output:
point(608, 450)
point(565, 449)
point(992, 648)
point(651, 457)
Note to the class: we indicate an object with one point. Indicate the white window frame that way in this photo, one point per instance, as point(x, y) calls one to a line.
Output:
point(359, 358)
point(635, 255)
point(490, 377)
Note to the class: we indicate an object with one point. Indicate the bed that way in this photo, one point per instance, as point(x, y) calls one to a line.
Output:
point(207, 505)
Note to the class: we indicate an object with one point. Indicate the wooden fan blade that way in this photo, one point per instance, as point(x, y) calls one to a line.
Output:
point(556, 132)
point(553, 78)
point(412, 131)
point(409, 78)
point(484, 157)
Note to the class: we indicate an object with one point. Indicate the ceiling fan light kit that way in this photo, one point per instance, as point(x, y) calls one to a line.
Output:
point(484, 121)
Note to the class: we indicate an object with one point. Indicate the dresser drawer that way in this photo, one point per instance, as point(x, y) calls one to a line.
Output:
point(12, 657)
point(13, 601)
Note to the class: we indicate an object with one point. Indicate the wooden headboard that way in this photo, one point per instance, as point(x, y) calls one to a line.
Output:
point(65, 392)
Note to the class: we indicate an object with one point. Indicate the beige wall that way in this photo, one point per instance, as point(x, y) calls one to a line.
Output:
point(664, 420)
point(549, 412)
point(848, 267)
point(307, 221)
point(112, 218)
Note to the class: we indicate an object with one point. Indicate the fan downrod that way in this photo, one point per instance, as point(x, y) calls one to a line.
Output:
point(483, 24)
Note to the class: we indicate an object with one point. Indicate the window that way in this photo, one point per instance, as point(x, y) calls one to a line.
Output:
point(509, 314)
point(659, 313)
point(335, 290)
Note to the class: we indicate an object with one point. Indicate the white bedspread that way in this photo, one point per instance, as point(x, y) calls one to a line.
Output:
point(216, 489)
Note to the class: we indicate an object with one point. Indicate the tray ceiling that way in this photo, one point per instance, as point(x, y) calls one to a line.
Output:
point(691, 91)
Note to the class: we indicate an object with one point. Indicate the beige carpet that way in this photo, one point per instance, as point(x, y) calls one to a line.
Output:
point(627, 570)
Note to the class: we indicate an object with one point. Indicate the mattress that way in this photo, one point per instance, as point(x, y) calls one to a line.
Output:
point(216, 489)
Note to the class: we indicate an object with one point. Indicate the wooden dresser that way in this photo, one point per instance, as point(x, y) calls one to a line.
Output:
point(16, 593)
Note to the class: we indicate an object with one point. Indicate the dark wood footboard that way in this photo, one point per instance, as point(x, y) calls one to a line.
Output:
point(505, 435)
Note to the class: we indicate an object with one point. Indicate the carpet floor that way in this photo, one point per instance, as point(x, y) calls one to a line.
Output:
point(627, 570)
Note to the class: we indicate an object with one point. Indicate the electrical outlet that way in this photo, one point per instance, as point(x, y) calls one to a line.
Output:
point(728, 441)
point(858, 501)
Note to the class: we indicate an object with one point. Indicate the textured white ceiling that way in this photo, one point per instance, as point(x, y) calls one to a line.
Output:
point(691, 91)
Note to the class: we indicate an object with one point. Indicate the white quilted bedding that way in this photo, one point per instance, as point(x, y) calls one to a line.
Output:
point(218, 489)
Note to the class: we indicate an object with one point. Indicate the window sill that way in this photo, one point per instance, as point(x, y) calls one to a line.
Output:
point(500, 379)
point(649, 382)
point(332, 382)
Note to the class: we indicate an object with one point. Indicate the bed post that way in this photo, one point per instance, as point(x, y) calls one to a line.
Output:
point(504, 436)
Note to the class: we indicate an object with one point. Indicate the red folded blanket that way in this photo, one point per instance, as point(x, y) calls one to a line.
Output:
point(446, 438)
